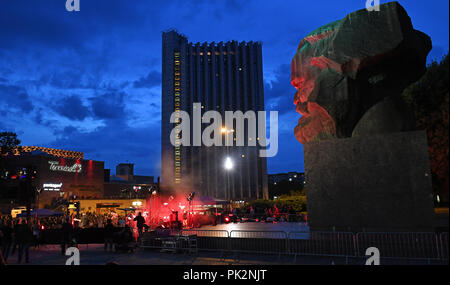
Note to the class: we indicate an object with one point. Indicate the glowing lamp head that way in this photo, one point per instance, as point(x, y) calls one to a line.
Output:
point(228, 163)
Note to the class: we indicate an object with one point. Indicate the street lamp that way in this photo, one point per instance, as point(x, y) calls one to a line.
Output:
point(228, 167)
point(228, 162)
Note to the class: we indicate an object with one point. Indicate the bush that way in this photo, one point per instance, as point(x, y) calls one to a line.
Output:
point(296, 200)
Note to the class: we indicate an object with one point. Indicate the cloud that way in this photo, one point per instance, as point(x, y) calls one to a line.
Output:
point(115, 143)
point(109, 105)
point(279, 95)
point(109, 55)
point(72, 108)
point(15, 97)
point(151, 80)
point(68, 79)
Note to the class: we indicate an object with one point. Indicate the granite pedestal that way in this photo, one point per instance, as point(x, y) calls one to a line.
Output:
point(369, 183)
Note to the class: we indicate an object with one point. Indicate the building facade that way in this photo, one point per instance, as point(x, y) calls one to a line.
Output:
point(221, 77)
point(53, 178)
point(126, 184)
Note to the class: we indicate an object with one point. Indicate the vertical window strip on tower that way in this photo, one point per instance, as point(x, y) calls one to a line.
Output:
point(177, 108)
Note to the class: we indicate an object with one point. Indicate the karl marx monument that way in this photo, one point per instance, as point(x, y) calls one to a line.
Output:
point(366, 168)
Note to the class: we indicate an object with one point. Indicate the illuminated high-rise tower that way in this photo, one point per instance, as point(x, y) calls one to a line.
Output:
point(222, 77)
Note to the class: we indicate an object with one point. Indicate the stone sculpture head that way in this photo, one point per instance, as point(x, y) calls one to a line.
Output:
point(350, 73)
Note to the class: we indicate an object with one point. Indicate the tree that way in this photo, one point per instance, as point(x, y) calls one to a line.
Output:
point(285, 187)
point(9, 143)
point(429, 99)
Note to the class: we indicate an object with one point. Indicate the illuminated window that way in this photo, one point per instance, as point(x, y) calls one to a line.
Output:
point(177, 105)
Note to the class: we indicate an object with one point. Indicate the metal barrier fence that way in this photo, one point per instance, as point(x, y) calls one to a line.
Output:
point(258, 234)
point(322, 243)
point(267, 242)
point(405, 245)
point(443, 241)
point(206, 233)
point(209, 240)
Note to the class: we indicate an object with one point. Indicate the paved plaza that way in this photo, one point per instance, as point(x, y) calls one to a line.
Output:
point(94, 254)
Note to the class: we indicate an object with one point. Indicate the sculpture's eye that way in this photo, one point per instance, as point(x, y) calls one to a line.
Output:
point(298, 83)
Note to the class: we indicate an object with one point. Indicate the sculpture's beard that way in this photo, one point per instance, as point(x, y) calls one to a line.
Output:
point(314, 123)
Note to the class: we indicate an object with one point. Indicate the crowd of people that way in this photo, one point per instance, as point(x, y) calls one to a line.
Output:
point(16, 235)
point(280, 214)
point(19, 234)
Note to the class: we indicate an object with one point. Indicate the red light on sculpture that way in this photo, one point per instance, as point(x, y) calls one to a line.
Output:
point(227, 219)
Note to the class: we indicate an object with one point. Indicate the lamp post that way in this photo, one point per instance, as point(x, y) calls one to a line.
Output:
point(228, 162)
point(38, 191)
point(228, 167)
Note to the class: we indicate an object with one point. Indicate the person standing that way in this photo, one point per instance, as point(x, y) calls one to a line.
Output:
point(109, 235)
point(36, 233)
point(23, 235)
point(140, 222)
point(2, 260)
point(66, 235)
point(76, 234)
point(122, 222)
point(7, 231)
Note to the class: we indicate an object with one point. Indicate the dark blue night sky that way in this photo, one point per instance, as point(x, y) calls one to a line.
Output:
point(90, 81)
